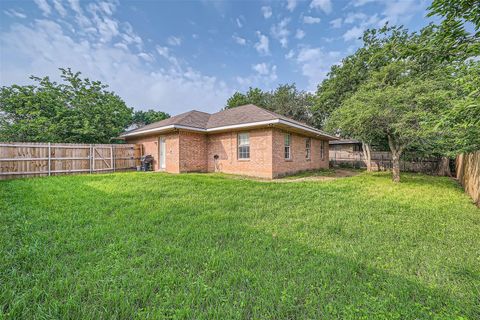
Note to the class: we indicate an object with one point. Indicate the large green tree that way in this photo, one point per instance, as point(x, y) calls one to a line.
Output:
point(460, 27)
point(286, 100)
point(397, 106)
point(76, 110)
point(141, 118)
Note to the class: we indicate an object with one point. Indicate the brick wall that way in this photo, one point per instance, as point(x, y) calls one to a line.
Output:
point(193, 152)
point(225, 146)
point(298, 161)
point(150, 146)
point(190, 152)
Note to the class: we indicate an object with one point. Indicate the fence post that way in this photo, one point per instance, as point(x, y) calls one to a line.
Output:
point(112, 158)
point(90, 158)
point(49, 159)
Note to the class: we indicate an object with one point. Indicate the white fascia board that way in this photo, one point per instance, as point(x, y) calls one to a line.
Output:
point(148, 131)
point(243, 125)
point(288, 123)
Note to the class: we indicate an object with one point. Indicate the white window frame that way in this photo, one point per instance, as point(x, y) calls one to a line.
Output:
point(243, 145)
point(308, 148)
point(322, 149)
point(287, 150)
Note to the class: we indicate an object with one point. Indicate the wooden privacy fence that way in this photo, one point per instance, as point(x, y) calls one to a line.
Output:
point(26, 159)
point(468, 174)
point(382, 160)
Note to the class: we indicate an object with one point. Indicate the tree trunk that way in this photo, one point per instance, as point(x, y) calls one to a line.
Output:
point(396, 148)
point(368, 157)
point(444, 167)
point(395, 167)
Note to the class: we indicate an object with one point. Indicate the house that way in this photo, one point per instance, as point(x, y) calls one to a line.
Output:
point(347, 145)
point(245, 140)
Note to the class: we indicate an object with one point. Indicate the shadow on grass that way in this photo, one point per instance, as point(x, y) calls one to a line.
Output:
point(186, 249)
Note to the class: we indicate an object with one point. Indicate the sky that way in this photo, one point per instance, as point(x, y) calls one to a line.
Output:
point(175, 56)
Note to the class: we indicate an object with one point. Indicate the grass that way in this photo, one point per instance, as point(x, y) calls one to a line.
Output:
point(150, 245)
point(312, 173)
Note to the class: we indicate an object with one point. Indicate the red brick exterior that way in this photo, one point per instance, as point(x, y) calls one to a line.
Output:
point(195, 152)
point(225, 146)
point(298, 160)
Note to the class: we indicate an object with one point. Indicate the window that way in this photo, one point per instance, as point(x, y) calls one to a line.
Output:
point(322, 149)
point(308, 142)
point(288, 154)
point(243, 146)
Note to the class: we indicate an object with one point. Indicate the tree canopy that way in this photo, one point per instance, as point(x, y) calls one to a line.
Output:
point(76, 110)
point(142, 118)
point(286, 100)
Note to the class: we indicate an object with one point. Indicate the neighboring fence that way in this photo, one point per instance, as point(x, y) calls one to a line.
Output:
point(44, 159)
point(468, 174)
point(382, 160)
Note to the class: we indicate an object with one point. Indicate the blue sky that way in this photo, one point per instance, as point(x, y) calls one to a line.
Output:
point(180, 55)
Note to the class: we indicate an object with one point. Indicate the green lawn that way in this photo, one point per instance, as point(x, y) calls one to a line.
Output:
point(150, 245)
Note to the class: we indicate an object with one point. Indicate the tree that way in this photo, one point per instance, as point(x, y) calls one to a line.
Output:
point(397, 106)
point(77, 110)
point(462, 121)
point(253, 96)
point(142, 118)
point(344, 79)
point(286, 100)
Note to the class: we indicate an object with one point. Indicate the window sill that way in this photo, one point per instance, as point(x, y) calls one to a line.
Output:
point(288, 160)
point(243, 159)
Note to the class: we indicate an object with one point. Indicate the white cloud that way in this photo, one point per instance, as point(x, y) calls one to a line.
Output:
point(353, 17)
point(43, 6)
point(75, 5)
point(324, 5)
point(280, 32)
point(261, 68)
point(311, 20)
point(300, 34)
point(174, 41)
point(15, 14)
point(239, 40)
point(353, 33)
point(336, 23)
point(291, 4)
point(146, 56)
point(164, 52)
point(401, 11)
point(395, 11)
point(113, 56)
point(262, 46)
point(359, 3)
point(239, 22)
point(263, 75)
point(290, 54)
point(267, 12)
point(59, 7)
point(315, 64)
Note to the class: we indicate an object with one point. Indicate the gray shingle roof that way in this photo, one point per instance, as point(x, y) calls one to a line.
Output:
point(236, 116)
